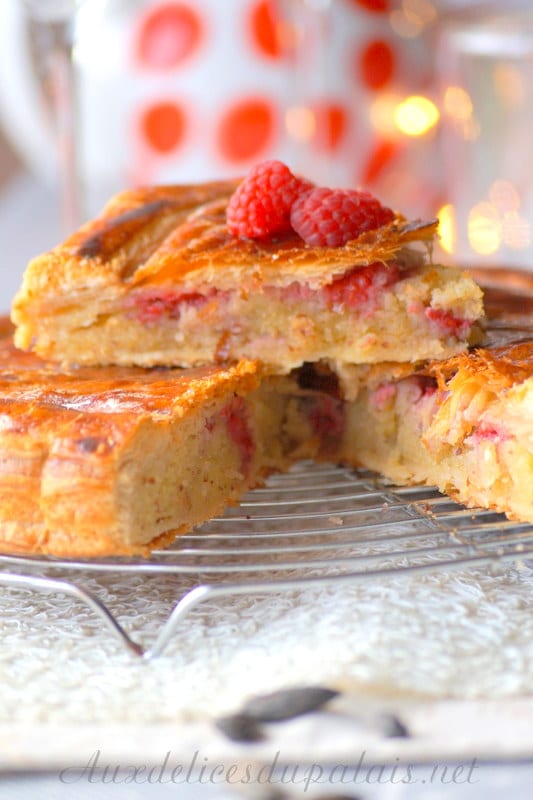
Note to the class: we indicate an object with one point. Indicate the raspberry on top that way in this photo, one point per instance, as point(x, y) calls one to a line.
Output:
point(272, 201)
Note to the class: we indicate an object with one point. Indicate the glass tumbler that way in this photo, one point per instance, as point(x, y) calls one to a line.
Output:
point(485, 68)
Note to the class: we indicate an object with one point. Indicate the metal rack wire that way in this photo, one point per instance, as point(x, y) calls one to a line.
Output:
point(315, 525)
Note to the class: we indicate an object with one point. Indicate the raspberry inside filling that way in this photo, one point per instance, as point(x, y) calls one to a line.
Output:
point(421, 387)
point(447, 323)
point(326, 417)
point(487, 432)
point(239, 431)
point(155, 304)
point(359, 288)
point(356, 288)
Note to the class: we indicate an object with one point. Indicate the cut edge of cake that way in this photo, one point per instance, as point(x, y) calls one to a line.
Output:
point(158, 280)
point(463, 425)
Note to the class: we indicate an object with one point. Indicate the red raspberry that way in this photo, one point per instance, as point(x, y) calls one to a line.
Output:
point(360, 285)
point(261, 205)
point(331, 217)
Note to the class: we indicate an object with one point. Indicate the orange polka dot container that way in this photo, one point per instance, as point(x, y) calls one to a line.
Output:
point(191, 90)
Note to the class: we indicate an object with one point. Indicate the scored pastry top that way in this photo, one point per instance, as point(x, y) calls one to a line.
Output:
point(178, 234)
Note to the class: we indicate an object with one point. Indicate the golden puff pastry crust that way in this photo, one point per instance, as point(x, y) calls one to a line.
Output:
point(115, 461)
point(158, 279)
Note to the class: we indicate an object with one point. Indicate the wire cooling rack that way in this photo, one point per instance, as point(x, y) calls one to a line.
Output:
point(315, 525)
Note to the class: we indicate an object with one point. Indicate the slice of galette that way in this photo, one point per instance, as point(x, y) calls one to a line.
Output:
point(160, 278)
